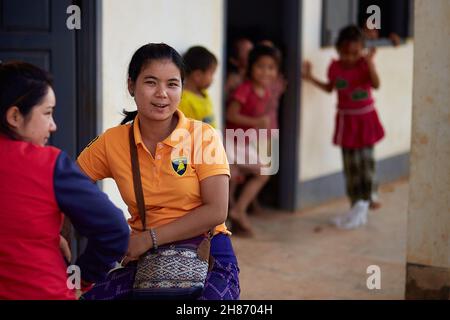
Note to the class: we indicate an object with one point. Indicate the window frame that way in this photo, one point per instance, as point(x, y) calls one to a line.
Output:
point(327, 40)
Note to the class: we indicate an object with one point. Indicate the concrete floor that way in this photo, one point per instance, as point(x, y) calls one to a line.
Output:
point(301, 256)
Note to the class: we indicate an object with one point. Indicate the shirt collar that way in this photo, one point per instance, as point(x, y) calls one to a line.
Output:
point(183, 123)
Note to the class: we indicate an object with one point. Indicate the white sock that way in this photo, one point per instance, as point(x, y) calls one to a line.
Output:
point(341, 220)
point(357, 216)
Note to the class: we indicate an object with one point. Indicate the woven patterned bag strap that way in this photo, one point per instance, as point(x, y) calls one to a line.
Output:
point(137, 178)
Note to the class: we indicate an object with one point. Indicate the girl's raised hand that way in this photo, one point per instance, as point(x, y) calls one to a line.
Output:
point(370, 54)
point(306, 70)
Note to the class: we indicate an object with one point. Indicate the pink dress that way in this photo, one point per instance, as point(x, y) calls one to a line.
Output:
point(357, 124)
point(252, 105)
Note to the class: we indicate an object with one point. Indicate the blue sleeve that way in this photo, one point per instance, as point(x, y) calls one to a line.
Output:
point(94, 216)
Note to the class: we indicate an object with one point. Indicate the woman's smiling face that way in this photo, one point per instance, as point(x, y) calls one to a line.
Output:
point(157, 90)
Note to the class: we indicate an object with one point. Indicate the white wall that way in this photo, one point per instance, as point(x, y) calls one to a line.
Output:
point(318, 155)
point(127, 25)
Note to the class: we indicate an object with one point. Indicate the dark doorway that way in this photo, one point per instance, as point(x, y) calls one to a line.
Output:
point(278, 21)
point(35, 31)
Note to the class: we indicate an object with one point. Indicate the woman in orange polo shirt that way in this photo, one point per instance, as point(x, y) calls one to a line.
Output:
point(184, 196)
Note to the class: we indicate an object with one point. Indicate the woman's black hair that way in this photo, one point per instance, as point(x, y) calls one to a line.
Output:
point(198, 58)
point(22, 85)
point(146, 54)
point(259, 51)
point(351, 33)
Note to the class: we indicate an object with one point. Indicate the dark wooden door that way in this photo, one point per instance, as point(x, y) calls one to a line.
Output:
point(279, 21)
point(35, 31)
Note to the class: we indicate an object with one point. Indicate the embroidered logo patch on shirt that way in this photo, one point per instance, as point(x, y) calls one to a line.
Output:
point(179, 165)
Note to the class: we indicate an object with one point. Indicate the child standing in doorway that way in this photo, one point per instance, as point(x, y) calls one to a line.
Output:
point(247, 111)
point(357, 127)
point(195, 103)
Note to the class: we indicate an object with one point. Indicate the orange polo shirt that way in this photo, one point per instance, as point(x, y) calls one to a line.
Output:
point(170, 180)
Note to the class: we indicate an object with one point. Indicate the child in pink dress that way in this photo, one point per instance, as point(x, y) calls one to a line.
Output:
point(246, 113)
point(357, 127)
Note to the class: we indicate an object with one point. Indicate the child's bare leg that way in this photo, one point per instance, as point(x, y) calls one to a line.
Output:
point(249, 192)
point(256, 207)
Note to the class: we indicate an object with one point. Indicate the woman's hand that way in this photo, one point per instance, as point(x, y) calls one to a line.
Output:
point(78, 294)
point(139, 244)
point(395, 39)
point(85, 287)
point(65, 249)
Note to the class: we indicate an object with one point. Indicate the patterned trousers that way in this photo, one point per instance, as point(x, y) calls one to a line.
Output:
point(222, 282)
point(359, 171)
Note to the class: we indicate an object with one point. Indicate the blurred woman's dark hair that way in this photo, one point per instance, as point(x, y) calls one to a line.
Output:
point(22, 85)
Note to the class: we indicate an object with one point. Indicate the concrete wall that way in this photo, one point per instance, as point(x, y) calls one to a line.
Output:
point(318, 157)
point(428, 248)
point(127, 25)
